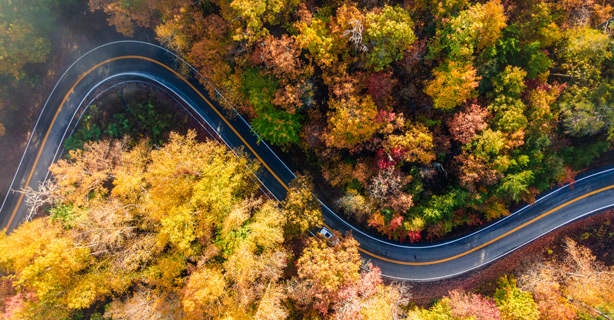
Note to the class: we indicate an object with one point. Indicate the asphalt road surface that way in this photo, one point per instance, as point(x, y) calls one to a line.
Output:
point(124, 61)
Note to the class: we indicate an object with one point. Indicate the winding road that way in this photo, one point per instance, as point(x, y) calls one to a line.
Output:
point(124, 61)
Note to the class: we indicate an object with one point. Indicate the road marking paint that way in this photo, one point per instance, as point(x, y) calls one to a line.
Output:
point(271, 171)
point(49, 131)
point(119, 58)
point(218, 113)
point(491, 241)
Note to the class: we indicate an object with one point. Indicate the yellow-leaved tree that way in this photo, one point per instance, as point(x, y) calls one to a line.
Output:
point(40, 256)
point(351, 122)
point(454, 83)
point(415, 145)
point(325, 269)
point(301, 207)
point(178, 230)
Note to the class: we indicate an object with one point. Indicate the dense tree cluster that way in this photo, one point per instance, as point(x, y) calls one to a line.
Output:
point(575, 286)
point(180, 231)
point(423, 115)
point(120, 244)
point(430, 116)
point(478, 103)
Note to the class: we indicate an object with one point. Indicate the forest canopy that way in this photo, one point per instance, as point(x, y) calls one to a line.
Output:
point(421, 116)
point(179, 231)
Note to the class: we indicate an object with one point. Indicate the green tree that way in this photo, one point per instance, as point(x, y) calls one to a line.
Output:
point(524, 42)
point(510, 82)
point(589, 112)
point(278, 127)
point(141, 119)
point(259, 89)
point(507, 107)
point(489, 144)
point(472, 30)
point(508, 114)
point(440, 207)
point(584, 53)
point(515, 185)
point(389, 33)
point(271, 124)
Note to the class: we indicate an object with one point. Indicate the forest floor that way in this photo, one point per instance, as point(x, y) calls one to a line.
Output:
point(114, 101)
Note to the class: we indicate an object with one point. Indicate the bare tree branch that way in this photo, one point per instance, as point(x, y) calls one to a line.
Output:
point(356, 35)
point(45, 194)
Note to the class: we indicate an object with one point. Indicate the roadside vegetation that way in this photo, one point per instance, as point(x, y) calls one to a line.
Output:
point(570, 284)
point(141, 228)
point(181, 231)
point(421, 118)
point(133, 110)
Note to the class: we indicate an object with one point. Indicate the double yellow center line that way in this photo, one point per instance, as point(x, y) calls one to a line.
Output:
point(267, 167)
point(120, 58)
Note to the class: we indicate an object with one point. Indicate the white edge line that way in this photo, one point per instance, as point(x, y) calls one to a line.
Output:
point(158, 86)
point(267, 146)
point(471, 234)
point(503, 254)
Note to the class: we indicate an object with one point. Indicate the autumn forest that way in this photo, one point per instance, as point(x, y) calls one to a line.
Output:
point(416, 120)
point(420, 117)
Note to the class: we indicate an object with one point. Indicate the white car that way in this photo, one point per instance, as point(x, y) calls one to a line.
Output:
point(330, 237)
point(326, 233)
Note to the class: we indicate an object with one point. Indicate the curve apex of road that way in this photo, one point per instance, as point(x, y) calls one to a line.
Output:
point(124, 61)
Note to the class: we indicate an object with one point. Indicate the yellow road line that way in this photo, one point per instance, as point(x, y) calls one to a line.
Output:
point(142, 58)
point(49, 130)
point(491, 241)
point(216, 111)
point(271, 171)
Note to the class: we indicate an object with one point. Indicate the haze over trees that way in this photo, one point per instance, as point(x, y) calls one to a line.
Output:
point(23, 38)
point(24, 32)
